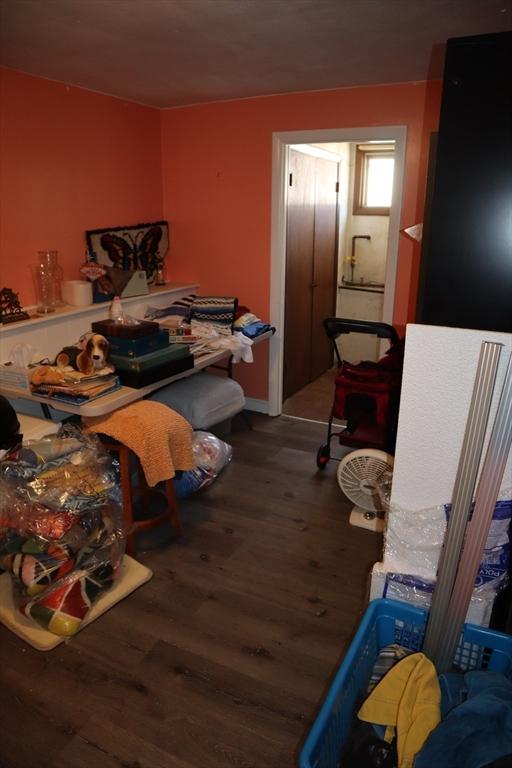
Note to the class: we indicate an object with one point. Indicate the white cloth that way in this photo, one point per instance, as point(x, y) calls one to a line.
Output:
point(24, 354)
point(238, 344)
point(210, 340)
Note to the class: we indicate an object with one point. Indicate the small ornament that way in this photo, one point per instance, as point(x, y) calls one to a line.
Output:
point(92, 270)
point(10, 307)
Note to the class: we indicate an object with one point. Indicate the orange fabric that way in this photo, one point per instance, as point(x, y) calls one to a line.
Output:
point(160, 437)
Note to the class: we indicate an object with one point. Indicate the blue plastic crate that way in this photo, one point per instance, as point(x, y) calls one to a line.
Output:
point(385, 622)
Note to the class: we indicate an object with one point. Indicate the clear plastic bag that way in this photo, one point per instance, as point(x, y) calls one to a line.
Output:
point(68, 471)
point(211, 455)
point(64, 604)
point(414, 539)
point(61, 533)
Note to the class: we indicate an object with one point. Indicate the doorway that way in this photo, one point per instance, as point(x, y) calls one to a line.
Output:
point(282, 148)
point(311, 265)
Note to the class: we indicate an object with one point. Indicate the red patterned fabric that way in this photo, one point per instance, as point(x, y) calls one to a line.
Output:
point(375, 383)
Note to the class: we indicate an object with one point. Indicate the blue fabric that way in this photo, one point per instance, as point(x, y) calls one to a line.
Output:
point(477, 724)
point(256, 329)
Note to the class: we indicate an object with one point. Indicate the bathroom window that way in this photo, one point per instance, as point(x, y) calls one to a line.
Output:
point(373, 185)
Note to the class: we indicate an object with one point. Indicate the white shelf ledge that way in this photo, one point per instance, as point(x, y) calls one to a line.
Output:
point(68, 312)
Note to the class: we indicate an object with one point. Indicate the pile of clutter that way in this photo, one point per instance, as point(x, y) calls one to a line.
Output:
point(211, 323)
point(61, 535)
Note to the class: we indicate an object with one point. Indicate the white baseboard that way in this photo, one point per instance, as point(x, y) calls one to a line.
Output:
point(260, 406)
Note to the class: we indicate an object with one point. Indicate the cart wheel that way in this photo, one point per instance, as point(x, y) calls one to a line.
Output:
point(323, 456)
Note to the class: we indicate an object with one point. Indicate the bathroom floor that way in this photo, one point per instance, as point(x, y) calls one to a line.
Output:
point(313, 401)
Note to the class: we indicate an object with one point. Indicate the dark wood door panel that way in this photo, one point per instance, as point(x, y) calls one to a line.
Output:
point(299, 273)
point(324, 263)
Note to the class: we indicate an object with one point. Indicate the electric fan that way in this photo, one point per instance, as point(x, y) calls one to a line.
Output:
point(364, 476)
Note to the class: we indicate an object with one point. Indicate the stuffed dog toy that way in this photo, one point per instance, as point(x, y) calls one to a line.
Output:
point(46, 374)
point(89, 355)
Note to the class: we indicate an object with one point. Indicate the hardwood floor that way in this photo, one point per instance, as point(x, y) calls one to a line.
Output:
point(221, 660)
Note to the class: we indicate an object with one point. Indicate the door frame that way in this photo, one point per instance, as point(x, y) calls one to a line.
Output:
point(281, 142)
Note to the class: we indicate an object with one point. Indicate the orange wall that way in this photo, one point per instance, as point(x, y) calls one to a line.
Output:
point(217, 167)
point(70, 160)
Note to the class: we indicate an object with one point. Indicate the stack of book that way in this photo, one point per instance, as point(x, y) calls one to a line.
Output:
point(78, 390)
point(141, 353)
point(183, 336)
point(198, 345)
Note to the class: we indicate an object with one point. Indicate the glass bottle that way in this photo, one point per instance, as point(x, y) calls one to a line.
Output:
point(45, 289)
point(48, 261)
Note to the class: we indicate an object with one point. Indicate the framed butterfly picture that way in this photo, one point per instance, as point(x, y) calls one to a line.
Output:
point(131, 248)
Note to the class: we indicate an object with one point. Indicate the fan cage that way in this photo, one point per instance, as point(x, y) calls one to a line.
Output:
point(363, 476)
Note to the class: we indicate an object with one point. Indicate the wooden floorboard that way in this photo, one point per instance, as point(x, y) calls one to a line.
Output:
point(221, 660)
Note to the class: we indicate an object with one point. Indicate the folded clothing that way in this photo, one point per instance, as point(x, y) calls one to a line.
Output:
point(256, 329)
point(220, 311)
point(477, 728)
point(246, 319)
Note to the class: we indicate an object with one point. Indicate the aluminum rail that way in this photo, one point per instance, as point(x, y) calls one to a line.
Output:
point(463, 492)
point(478, 530)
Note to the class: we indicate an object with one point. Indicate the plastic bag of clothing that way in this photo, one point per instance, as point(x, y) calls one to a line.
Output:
point(67, 471)
point(64, 603)
point(211, 455)
point(61, 533)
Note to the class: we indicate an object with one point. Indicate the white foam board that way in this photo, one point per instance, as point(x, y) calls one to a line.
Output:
point(439, 373)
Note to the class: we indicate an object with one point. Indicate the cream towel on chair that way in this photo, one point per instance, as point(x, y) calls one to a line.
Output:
point(160, 437)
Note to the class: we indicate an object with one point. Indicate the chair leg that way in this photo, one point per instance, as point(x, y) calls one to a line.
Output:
point(126, 492)
point(247, 420)
point(173, 509)
point(143, 490)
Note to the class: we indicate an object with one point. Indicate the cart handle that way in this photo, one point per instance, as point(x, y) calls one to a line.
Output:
point(334, 326)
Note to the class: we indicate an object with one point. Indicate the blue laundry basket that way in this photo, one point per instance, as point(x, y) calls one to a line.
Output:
point(385, 622)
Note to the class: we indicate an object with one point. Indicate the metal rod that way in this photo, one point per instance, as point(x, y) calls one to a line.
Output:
point(478, 529)
point(463, 491)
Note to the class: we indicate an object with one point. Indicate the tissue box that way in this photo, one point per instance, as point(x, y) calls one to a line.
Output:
point(109, 328)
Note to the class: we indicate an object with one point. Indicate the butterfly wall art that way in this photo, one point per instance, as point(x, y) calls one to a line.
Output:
point(131, 248)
